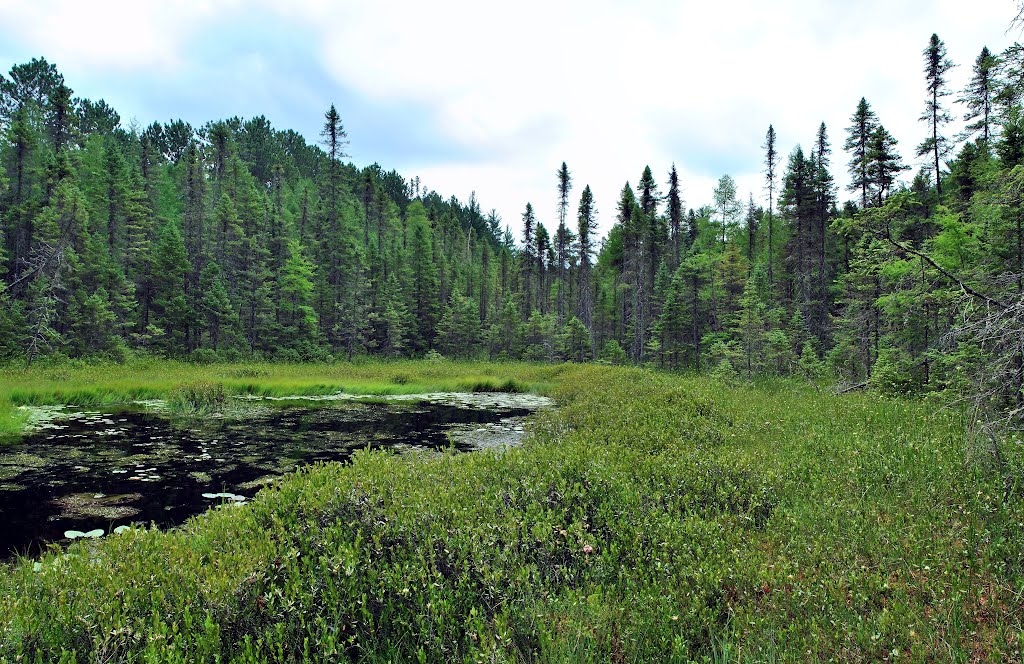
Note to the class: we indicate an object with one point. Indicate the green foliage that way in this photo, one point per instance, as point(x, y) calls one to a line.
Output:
point(248, 242)
point(458, 334)
point(650, 516)
point(612, 353)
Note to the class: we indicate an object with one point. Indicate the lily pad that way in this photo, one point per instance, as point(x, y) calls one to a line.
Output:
point(75, 534)
point(229, 496)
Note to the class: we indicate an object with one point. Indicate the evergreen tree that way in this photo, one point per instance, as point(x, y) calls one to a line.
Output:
point(562, 235)
point(423, 282)
point(216, 308)
point(529, 257)
point(771, 157)
point(979, 97)
point(458, 334)
point(171, 316)
point(858, 143)
point(935, 114)
point(884, 163)
point(675, 215)
point(297, 317)
point(727, 206)
point(586, 227)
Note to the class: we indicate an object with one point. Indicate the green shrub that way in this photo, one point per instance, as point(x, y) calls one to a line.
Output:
point(204, 356)
point(650, 517)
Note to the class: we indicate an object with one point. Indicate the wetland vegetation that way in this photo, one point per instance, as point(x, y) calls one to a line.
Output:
point(190, 474)
point(660, 516)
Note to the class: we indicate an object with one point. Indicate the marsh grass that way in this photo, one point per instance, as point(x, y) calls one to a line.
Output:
point(200, 398)
point(11, 420)
point(649, 518)
point(178, 382)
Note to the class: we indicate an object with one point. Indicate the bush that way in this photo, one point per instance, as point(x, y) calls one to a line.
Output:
point(204, 356)
point(612, 353)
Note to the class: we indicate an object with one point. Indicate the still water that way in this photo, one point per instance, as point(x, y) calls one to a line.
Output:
point(88, 470)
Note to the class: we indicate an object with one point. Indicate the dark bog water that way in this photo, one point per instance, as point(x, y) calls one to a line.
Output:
point(96, 470)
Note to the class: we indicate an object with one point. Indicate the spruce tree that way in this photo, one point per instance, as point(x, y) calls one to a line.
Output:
point(771, 157)
point(562, 235)
point(979, 97)
point(171, 315)
point(884, 163)
point(529, 257)
point(675, 215)
point(858, 144)
point(935, 115)
point(586, 225)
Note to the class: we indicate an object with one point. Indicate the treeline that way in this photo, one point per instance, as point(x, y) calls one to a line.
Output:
point(235, 239)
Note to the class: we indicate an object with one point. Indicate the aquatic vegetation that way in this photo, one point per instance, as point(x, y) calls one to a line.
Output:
point(77, 534)
point(649, 518)
point(12, 420)
point(197, 389)
point(97, 469)
point(226, 496)
point(201, 398)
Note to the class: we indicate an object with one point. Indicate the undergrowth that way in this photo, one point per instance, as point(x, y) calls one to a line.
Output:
point(648, 518)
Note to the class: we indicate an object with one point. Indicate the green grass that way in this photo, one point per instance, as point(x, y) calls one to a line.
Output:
point(110, 384)
point(11, 420)
point(650, 518)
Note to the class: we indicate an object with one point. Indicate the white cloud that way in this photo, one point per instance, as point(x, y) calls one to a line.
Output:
point(619, 86)
point(115, 34)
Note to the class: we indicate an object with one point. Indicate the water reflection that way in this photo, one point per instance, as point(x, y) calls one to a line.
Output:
point(92, 470)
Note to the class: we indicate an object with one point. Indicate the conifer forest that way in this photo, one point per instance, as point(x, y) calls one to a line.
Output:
point(776, 425)
point(238, 240)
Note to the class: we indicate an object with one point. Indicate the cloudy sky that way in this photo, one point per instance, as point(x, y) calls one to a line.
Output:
point(492, 97)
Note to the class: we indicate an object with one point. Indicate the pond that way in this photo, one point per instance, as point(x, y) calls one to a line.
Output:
point(89, 470)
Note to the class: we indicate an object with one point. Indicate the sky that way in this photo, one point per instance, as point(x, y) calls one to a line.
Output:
point(493, 97)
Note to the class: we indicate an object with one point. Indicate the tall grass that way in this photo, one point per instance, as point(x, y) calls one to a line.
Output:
point(109, 384)
point(649, 518)
point(11, 420)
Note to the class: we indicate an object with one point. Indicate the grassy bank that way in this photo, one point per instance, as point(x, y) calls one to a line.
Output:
point(11, 420)
point(649, 518)
point(191, 387)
